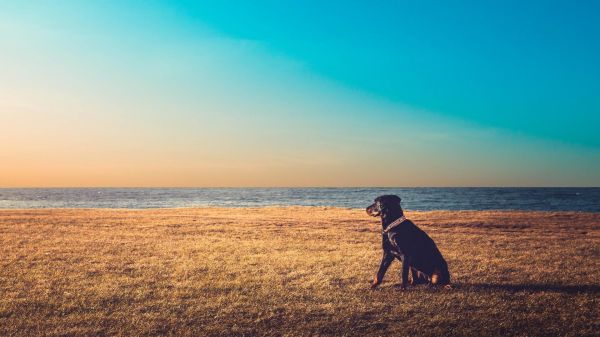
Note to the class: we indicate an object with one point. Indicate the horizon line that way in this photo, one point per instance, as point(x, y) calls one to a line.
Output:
point(281, 187)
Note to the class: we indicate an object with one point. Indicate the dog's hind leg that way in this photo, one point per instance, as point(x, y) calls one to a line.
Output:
point(418, 277)
point(440, 277)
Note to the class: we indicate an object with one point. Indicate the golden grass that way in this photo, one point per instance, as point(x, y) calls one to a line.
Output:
point(291, 271)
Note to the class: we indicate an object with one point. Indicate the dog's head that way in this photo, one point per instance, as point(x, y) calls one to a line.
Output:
point(383, 203)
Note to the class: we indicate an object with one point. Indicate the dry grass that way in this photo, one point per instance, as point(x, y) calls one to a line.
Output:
point(294, 271)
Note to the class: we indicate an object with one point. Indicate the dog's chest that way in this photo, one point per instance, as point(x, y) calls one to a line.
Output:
point(392, 243)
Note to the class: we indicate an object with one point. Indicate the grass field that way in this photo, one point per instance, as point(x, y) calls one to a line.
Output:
point(293, 271)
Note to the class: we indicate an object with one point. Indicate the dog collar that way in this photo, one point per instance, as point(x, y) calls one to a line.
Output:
point(395, 224)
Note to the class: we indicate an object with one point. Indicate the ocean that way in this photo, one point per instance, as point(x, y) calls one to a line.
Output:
point(480, 198)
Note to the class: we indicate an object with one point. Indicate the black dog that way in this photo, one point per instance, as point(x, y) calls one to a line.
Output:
point(403, 240)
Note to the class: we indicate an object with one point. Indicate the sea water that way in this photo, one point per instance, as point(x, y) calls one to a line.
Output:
point(480, 198)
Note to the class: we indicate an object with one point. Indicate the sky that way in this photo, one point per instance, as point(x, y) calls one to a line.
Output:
point(290, 93)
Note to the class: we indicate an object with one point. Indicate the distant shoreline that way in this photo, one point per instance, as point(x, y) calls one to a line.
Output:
point(301, 208)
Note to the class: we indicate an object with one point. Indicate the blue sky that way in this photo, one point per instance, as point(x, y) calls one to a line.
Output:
point(271, 93)
point(522, 65)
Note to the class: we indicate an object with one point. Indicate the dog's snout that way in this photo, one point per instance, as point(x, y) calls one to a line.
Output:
point(372, 211)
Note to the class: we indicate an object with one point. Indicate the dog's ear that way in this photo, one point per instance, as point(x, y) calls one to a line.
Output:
point(390, 199)
point(394, 199)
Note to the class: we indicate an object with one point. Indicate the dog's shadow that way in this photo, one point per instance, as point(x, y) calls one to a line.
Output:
point(559, 288)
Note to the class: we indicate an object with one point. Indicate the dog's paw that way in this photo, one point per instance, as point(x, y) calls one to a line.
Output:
point(376, 282)
point(401, 287)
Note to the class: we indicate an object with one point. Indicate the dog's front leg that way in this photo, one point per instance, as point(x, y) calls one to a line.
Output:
point(386, 260)
point(405, 268)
